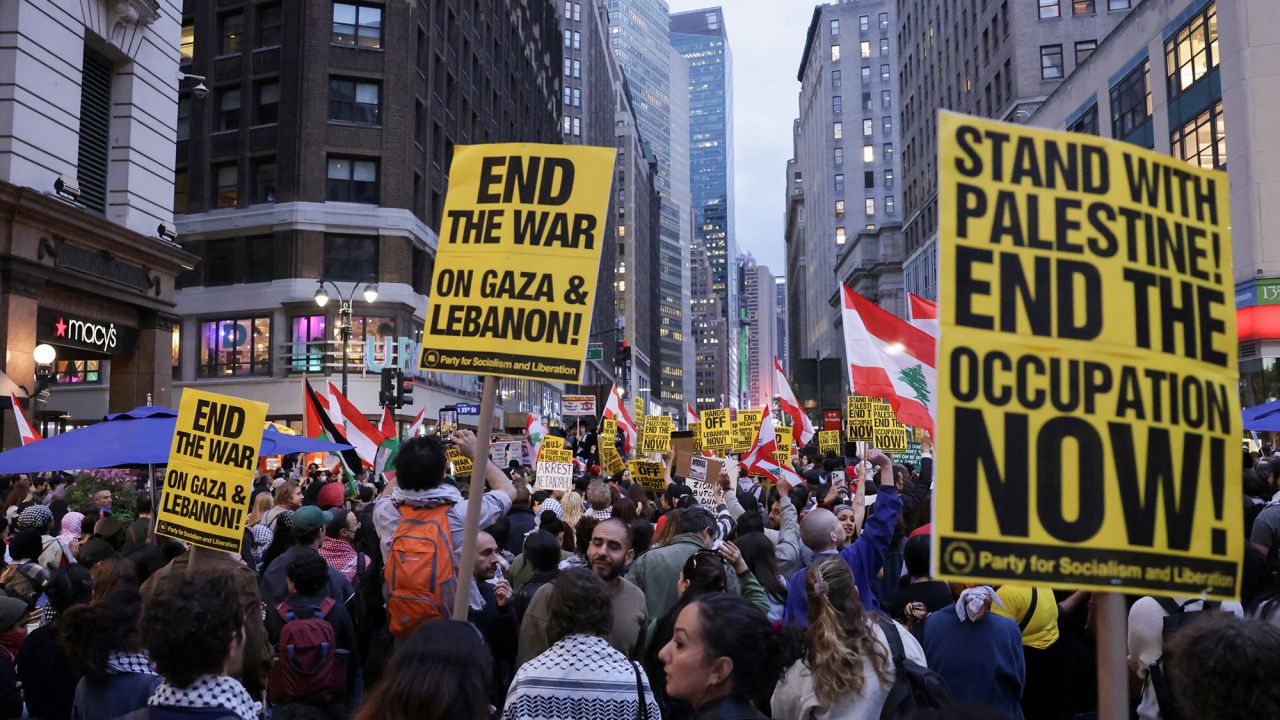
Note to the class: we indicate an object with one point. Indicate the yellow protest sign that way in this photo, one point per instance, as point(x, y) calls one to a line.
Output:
point(717, 431)
point(696, 429)
point(462, 465)
point(649, 474)
point(612, 460)
point(553, 442)
point(609, 430)
point(657, 434)
point(519, 252)
point(745, 428)
point(1088, 408)
point(639, 408)
point(829, 441)
point(783, 455)
point(859, 418)
point(210, 472)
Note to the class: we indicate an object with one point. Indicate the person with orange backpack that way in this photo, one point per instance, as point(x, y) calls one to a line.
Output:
point(419, 520)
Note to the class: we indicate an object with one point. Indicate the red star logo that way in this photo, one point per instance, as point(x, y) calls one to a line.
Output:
point(60, 328)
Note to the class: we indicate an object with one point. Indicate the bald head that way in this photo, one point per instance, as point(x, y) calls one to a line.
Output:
point(821, 531)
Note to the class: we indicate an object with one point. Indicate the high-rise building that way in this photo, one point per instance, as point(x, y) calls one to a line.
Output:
point(1194, 79)
point(710, 338)
point(700, 37)
point(780, 333)
point(639, 33)
point(87, 262)
point(759, 303)
point(997, 60)
point(321, 153)
point(846, 162)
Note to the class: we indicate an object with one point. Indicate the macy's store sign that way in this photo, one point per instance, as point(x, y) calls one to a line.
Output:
point(76, 331)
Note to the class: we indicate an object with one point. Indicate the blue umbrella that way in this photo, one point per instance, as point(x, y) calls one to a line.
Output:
point(1263, 418)
point(142, 436)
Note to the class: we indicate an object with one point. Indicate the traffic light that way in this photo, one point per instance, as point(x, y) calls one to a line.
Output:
point(387, 393)
point(622, 363)
point(404, 389)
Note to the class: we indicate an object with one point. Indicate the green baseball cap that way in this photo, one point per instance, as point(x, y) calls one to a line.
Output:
point(309, 518)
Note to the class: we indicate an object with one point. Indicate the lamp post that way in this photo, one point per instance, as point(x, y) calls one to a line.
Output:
point(344, 311)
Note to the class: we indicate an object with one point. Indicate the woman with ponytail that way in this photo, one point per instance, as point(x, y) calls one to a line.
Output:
point(846, 670)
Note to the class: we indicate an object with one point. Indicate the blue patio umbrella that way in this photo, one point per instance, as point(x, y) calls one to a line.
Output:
point(1263, 418)
point(142, 436)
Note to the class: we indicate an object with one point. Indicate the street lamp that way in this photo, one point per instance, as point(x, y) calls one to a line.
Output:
point(44, 355)
point(344, 311)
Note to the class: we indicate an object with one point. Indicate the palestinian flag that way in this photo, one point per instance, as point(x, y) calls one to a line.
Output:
point(317, 424)
point(356, 427)
point(390, 444)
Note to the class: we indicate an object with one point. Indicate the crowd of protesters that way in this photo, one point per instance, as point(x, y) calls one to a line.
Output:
point(609, 600)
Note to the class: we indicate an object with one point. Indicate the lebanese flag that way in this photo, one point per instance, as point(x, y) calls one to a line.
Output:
point(412, 432)
point(691, 416)
point(617, 410)
point(536, 431)
point(923, 314)
point(318, 423)
point(761, 458)
point(361, 433)
point(889, 359)
point(25, 430)
point(800, 423)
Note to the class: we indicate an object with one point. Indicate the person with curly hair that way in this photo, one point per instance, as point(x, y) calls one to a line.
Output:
point(196, 640)
point(102, 641)
point(846, 670)
point(47, 674)
point(1222, 666)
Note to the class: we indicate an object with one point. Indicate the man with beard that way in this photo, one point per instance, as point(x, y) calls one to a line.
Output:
point(609, 552)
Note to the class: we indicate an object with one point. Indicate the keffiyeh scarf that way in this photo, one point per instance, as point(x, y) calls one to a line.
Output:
point(209, 691)
point(340, 556)
point(119, 663)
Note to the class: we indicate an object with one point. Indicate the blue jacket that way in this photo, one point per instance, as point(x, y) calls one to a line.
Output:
point(865, 557)
point(982, 662)
point(112, 696)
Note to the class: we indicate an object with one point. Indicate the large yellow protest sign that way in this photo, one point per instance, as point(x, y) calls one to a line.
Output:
point(463, 466)
point(829, 441)
point(1087, 372)
point(717, 430)
point(696, 429)
point(783, 454)
point(210, 472)
point(860, 417)
point(656, 437)
point(515, 273)
point(649, 474)
point(745, 427)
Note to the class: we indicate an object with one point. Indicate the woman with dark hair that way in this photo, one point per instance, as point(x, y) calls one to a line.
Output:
point(542, 553)
point(281, 541)
point(640, 499)
point(702, 573)
point(581, 674)
point(846, 670)
point(102, 640)
point(47, 675)
point(114, 573)
point(722, 652)
point(442, 672)
point(762, 560)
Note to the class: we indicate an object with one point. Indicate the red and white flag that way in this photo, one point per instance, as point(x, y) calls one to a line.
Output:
point(25, 430)
point(388, 425)
point(536, 432)
point(889, 359)
point(691, 416)
point(617, 410)
point(361, 433)
point(761, 458)
point(802, 426)
point(923, 314)
point(412, 432)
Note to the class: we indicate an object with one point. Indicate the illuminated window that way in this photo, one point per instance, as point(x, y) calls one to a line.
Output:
point(835, 53)
point(1192, 51)
point(840, 236)
point(1202, 141)
point(235, 347)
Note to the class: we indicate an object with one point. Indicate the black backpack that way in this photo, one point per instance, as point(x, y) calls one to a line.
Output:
point(915, 687)
point(1178, 617)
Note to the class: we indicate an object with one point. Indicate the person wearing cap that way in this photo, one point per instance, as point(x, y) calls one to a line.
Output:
point(307, 525)
point(12, 614)
point(330, 496)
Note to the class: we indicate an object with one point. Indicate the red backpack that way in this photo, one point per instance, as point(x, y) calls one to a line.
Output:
point(420, 574)
point(310, 666)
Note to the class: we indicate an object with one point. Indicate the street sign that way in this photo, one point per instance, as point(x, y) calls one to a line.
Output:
point(468, 409)
point(595, 352)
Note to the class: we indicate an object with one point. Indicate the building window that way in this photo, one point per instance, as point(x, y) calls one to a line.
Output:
point(1131, 101)
point(839, 182)
point(306, 343)
point(568, 124)
point(869, 206)
point(1084, 49)
point(884, 73)
point(228, 117)
point(889, 207)
point(886, 124)
point(352, 180)
point(577, 40)
point(357, 25)
point(1192, 51)
point(840, 236)
point(835, 53)
point(577, 97)
point(866, 76)
point(837, 104)
point(884, 47)
point(226, 178)
point(839, 208)
point(864, 49)
point(888, 152)
point(1050, 62)
point(350, 258)
point(93, 151)
point(867, 126)
point(884, 21)
point(231, 30)
point(866, 101)
point(577, 68)
point(354, 101)
point(837, 130)
point(1114, 5)
point(235, 347)
point(577, 127)
point(264, 180)
point(1087, 123)
point(864, 23)
point(835, 27)
point(268, 103)
point(184, 117)
point(78, 371)
point(1049, 9)
point(868, 179)
point(187, 45)
point(839, 156)
point(180, 191)
point(886, 98)
point(1202, 141)
point(1082, 7)
point(568, 67)
point(270, 24)
point(888, 178)
point(568, 38)
point(835, 79)
point(868, 153)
